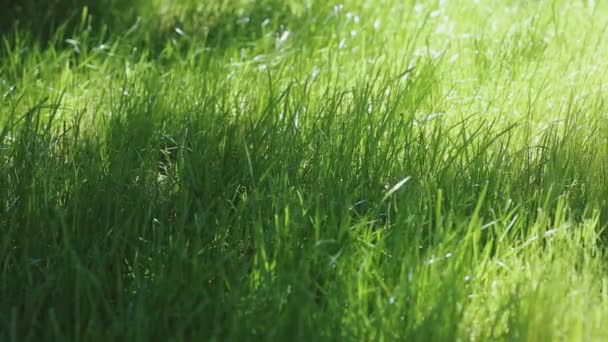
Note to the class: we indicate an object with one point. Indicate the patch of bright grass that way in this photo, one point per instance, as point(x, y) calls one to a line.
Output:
point(362, 170)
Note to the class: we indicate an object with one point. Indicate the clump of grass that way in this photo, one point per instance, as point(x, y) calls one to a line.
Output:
point(310, 171)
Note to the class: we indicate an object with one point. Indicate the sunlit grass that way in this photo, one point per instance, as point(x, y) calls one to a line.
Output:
point(358, 170)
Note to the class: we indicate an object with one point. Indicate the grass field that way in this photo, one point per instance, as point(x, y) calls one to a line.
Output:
point(303, 170)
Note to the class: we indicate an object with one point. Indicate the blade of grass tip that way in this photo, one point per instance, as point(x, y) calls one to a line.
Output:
point(250, 164)
point(395, 188)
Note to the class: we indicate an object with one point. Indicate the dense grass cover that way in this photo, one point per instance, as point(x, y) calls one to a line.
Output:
point(308, 170)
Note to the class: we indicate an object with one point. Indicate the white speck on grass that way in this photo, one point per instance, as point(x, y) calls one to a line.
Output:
point(179, 31)
point(467, 278)
point(74, 44)
point(432, 116)
point(377, 23)
point(266, 22)
point(10, 90)
point(392, 300)
point(395, 188)
point(437, 54)
point(284, 36)
point(448, 255)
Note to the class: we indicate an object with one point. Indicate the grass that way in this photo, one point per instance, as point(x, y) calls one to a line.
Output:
point(362, 170)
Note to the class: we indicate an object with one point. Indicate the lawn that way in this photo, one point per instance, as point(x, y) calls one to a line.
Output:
point(358, 170)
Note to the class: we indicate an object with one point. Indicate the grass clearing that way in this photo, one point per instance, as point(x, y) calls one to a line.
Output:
point(362, 170)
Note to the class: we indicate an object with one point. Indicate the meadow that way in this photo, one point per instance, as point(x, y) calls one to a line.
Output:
point(358, 170)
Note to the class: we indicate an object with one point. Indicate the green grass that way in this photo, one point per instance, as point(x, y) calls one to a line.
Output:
point(277, 170)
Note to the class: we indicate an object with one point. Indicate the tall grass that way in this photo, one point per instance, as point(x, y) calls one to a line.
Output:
point(364, 170)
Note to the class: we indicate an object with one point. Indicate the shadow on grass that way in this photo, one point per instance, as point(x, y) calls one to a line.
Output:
point(43, 18)
point(214, 24)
